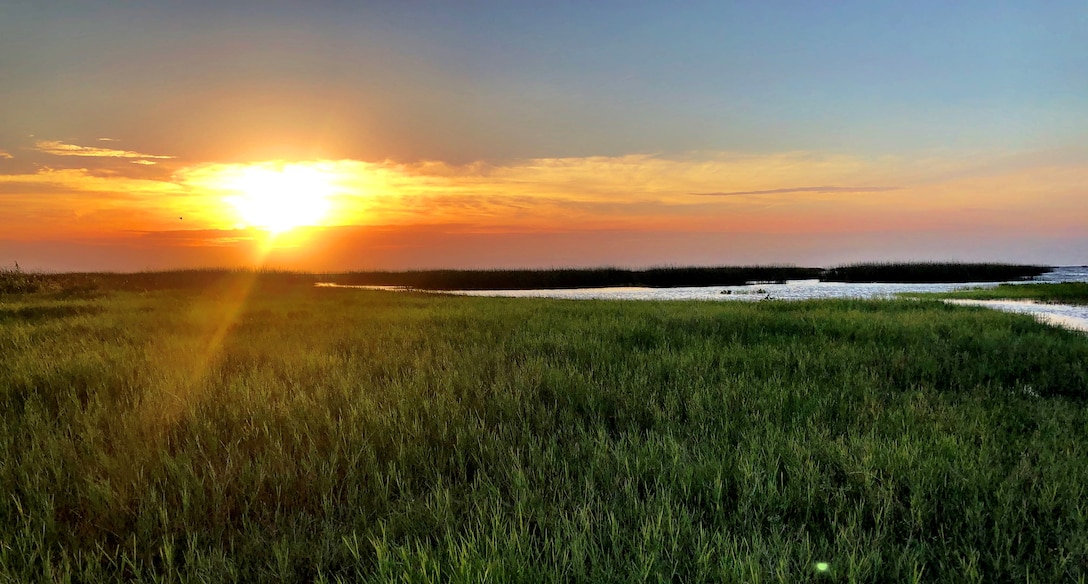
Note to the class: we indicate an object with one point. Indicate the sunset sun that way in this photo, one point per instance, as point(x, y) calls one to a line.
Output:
point(279, 199)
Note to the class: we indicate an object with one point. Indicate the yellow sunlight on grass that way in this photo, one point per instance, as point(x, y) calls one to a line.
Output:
point(278, 199)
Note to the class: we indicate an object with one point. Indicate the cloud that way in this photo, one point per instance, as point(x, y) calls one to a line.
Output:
point(5, 155)
point(197, 237)
point(799, 190)
point(636, 193)
point(649, 192)
point(97, 181)
point(61, 149)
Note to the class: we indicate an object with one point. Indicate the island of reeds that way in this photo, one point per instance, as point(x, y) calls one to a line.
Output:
point(932, 272)
point(688, 276)
point(232, 426)
point(578, 278)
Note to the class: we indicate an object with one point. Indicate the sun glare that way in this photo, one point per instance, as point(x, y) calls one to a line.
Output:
point(278, 199)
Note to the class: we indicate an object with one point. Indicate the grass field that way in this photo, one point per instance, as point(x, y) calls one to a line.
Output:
point(242, 429)
point(1062, 293)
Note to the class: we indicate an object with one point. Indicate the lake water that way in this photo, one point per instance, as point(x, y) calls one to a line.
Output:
point(1075, 317)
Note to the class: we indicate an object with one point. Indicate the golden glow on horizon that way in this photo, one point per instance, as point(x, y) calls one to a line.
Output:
point(279, 199)
point(348, 212)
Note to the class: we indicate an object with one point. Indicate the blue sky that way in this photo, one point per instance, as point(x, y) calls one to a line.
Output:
point(487, 80)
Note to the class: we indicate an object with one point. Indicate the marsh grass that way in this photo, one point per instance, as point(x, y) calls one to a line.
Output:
point(931, 272)
point(243, 432)
point(202, 279)
point(577, 278)
point(1062, 293)
point(689, 276)
point(13, 280)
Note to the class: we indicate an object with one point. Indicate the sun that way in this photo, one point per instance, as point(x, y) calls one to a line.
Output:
point(279, 198)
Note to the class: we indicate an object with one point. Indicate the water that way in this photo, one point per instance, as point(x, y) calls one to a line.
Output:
point(1075, 317)
point(1065, 274)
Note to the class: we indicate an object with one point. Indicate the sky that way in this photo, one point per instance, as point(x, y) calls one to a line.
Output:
point(343, 135)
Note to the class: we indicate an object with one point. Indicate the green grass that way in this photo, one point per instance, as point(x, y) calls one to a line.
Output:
point(1061, 293)
point(257, 433)
point(14, 280)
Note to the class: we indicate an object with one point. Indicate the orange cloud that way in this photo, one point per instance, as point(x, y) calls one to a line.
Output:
point(78, 202)
point(792, 190)
point(61, 149)
point(767, 197)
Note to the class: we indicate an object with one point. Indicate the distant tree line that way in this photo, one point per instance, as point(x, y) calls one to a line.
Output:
point(15, 281)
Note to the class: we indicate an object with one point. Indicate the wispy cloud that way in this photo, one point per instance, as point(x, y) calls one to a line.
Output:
point(5, 155)
point(61, 149)
point(799, 190)
point(636, 193)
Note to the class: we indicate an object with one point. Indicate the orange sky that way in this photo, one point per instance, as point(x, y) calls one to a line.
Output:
point(131, 210)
